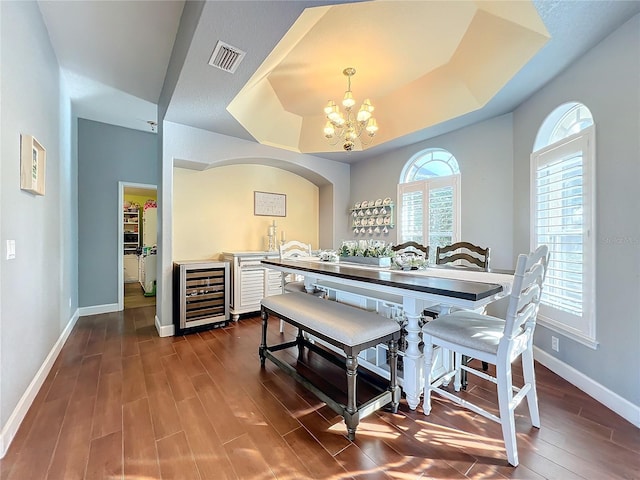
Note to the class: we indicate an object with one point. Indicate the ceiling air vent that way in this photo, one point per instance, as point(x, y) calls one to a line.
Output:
point(225, 57)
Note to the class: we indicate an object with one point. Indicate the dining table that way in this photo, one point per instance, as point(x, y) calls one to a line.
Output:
point(415, 289)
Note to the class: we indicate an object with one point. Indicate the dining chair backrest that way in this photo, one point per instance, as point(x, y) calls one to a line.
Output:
point(524, 300)
point(411, 248)
point(294, 248)
point(290, 281)
point(466, 253)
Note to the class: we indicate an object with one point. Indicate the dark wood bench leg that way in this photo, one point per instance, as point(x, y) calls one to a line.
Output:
point(263, 342)
point(352, 375)
point(393, 375)
point(300, 342)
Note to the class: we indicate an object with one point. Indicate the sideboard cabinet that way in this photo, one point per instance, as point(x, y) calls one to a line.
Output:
point(251, 281)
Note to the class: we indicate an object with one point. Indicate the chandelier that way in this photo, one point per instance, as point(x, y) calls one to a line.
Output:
point(345, 127)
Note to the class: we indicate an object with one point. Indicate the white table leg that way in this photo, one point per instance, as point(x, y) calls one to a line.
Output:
point(309, 283)
point(413, 358)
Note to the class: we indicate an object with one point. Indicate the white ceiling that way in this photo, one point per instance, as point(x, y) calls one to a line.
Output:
point(115, 54)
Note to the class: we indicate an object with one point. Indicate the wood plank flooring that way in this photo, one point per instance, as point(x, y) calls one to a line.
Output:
point(122, 403)
point(134, 296)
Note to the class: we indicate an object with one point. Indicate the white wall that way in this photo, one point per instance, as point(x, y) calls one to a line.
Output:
point(37, 285)
point(484, 152)
point(607, 81)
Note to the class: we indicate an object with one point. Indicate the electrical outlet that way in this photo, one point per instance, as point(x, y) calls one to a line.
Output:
point(555, 344)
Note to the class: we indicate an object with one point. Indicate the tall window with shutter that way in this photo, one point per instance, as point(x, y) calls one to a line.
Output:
point(562, 216)
point(429, 199)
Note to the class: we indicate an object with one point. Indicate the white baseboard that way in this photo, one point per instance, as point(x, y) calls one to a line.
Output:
point(97, 309)
point(10, 429)
point(164, 330)
point(610, 399)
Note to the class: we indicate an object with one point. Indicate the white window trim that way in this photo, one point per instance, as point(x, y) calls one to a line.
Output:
point(585, 335)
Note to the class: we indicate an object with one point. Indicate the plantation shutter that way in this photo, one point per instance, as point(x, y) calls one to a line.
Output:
point(562, 210)
point(441, 229)
point(429, 212)
point(412, 212)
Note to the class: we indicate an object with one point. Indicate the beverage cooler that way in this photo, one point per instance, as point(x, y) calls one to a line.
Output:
point(200, 295)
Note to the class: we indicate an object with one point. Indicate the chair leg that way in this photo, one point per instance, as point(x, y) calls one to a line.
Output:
point(428, 360)
point(448, 363)
point(507, 420)
point(530, 378)
point(458, 361)
point(281, 326)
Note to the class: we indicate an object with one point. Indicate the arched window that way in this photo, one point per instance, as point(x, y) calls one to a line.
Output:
point(562, 196)
point(429, 199)
point(564, 121)
point(430, 163)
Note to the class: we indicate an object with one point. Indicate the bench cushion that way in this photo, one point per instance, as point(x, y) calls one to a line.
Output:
point(346, 324)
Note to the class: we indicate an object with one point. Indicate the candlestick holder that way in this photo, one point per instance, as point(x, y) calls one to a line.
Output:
point(272, 238)
point(271, 247)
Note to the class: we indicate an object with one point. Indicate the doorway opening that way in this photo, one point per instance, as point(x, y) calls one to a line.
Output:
point(137, 245)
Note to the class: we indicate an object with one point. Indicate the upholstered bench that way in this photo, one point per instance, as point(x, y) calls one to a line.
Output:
point(348, 328)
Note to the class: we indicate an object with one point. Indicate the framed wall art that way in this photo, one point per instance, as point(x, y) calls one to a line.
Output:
point(269, 204)
point(33, 162)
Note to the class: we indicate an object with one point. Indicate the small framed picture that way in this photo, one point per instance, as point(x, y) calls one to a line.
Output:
point(269, 204)
point(33, 159)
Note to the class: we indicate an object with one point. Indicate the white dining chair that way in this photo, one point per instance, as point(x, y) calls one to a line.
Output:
point(290, 281)
point(293, 249)
point(496, 341)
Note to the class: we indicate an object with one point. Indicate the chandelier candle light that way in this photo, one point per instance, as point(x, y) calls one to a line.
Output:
point(344, 127)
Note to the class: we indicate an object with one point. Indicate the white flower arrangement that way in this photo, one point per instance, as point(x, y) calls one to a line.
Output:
point(366, 248)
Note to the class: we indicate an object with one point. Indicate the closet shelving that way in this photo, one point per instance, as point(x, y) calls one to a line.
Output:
point(131, 229)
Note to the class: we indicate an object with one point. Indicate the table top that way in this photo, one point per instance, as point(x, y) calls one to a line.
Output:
point(405, 280)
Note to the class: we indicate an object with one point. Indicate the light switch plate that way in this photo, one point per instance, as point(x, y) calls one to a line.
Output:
point(11, 249)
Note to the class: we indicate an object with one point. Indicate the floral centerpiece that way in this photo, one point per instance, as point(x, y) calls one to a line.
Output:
point(410, 262)
point(369, 252)
point(328, 256)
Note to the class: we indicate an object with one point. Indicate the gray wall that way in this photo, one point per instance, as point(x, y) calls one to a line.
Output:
point(607, 81)
point(106, 155)
point(37, 295)
point(485, 155)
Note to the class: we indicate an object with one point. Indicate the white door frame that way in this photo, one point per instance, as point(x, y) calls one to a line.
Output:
point(121, 187)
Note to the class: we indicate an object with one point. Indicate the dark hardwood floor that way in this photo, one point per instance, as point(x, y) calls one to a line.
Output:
point(122, 403)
